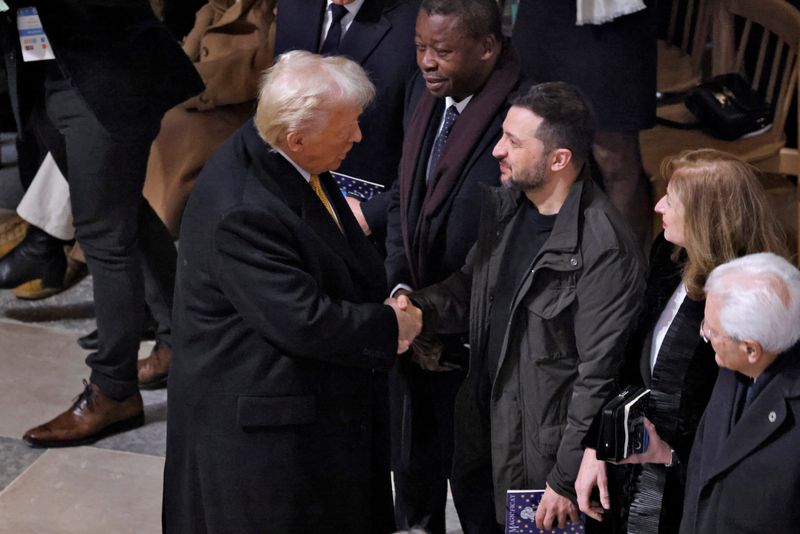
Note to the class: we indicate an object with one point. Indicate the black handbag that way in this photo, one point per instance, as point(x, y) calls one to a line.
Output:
point(622, 431)
point(727, 107)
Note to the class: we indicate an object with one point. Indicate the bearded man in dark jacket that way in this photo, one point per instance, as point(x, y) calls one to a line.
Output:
point(548, 293)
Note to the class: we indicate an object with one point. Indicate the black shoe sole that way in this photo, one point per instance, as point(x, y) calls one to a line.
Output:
point(158, 383)
point(114, 428)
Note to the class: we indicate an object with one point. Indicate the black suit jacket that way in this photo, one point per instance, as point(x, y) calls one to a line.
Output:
point(747, 478)
point(276, 340)
point(380, 39)
point(122, 60)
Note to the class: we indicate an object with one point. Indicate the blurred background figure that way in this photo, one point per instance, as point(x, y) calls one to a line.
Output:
point(608, 50)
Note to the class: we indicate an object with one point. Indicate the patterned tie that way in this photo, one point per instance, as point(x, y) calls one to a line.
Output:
point(331, 44)
point(438, 145)
point(317, 187)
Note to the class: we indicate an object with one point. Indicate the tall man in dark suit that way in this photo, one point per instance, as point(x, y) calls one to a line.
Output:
point(744, 468)
point(454, 117)
point(272, 424)
point(116, 71)
point(378, 35)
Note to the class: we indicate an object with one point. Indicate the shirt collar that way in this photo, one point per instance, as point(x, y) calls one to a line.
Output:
point(448, 101)
point(303, 172)
point(352, 8)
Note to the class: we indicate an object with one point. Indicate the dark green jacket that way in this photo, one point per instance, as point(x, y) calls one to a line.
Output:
point(570, 318)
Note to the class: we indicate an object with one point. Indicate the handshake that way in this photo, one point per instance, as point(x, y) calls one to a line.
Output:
point(409, 321)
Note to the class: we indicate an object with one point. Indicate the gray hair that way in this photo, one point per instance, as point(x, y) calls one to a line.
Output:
point(759, 299)
point(300, 88)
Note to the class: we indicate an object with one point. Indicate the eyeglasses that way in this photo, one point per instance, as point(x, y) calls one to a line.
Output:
point(711, 333)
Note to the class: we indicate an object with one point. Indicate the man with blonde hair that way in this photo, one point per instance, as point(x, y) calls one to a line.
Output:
point(744, 468)
point(278, 339)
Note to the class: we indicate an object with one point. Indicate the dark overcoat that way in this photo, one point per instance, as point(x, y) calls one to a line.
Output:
point(271, 410)
point(746, 478)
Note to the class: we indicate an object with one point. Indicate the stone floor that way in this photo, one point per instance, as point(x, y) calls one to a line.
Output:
point(111, 487)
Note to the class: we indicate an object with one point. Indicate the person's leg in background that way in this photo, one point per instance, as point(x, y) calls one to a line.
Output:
point(620, 162)
point(106, 174)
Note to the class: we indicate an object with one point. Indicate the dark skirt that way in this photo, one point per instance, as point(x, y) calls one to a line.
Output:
point(613, 64)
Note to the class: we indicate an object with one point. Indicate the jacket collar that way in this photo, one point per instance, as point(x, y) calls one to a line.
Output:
point(278, 176)
point(565, 235)
point(763, 418)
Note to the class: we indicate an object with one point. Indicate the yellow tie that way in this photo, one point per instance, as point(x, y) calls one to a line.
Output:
point(317, 187)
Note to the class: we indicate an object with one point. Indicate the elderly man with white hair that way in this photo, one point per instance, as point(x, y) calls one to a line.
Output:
point(744, 470)
point(279, 333)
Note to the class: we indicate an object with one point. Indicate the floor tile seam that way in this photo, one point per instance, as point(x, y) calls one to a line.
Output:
point(132, 453)
point(56, 329)
point(22, 474)
point(49, 452)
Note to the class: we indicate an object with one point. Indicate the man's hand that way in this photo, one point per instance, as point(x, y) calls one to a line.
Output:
point(658, 450)
point(409, 321)
point(592, 473)
point(355, 207)
point(555, 508)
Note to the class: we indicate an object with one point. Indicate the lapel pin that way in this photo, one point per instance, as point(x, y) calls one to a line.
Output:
point(772, 416)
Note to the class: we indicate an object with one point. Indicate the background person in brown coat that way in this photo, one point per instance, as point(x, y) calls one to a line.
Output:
point(230, 44)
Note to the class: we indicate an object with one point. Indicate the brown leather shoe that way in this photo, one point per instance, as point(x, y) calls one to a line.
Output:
point(92, 416)
point(153, 370)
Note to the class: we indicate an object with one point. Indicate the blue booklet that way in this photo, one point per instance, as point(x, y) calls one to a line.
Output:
point(521, 508)
point(356, 187)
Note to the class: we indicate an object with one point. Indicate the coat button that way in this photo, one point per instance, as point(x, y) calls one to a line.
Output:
point(204, 51)
point(203, 98)
point(772, 416)
point(573, 262)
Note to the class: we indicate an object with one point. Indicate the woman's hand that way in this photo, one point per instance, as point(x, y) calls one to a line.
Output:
point(658, 450)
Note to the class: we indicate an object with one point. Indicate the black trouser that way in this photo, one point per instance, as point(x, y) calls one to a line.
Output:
point(115, 226)
point(473, 495)
point(422, 441)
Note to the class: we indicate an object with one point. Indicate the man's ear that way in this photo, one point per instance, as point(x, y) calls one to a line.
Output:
point(560, 158)
point(489, 46)
point(753, 350)
point(294, 142)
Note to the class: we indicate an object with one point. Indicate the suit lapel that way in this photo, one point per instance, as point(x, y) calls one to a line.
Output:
point(760, 420)
point(439, 217)
point(277, 175)
point(366, 31)
point(355, 248)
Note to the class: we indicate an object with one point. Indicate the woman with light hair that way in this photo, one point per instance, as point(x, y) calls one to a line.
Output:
point(714, 210)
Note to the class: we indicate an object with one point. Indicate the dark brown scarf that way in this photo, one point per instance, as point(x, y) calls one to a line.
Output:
point(467, 131)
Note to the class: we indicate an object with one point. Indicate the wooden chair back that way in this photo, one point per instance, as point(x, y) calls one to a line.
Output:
point(760, 40)
point(684, 28)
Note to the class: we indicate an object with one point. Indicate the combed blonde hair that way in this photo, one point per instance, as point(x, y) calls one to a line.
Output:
point(726, 215)
point(300, 89)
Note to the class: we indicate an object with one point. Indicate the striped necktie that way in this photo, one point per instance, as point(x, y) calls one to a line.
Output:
point(317, 187)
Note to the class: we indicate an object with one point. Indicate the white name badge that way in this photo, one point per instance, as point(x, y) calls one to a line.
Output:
point(32, 40)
